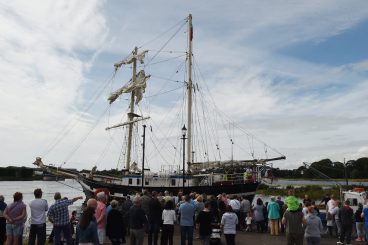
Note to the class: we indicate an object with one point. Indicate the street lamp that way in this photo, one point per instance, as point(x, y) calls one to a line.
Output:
point(184, 133)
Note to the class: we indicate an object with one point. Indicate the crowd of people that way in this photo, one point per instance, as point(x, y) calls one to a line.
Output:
point(154, 215)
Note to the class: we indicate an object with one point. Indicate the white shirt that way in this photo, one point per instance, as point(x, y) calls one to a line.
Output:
point(235, 204)
point(38, 211)
point(331, 204)
point(168, 216)
point(249, 220)
point(229, 221)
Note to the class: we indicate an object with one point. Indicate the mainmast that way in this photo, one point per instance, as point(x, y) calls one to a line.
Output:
point(190, 89)
point(131, 114)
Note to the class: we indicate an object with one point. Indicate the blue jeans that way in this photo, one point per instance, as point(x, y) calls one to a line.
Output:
point(366, 234)
point(65, 229)
point(186, 234)
point(313, 240)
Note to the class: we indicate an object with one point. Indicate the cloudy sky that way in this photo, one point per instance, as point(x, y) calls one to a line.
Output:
point(294, 74)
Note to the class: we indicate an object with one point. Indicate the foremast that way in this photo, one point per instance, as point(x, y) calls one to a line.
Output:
point(131, 114)
point(136, 87)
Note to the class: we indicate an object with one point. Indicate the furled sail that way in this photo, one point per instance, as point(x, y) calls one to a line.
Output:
point(131, 58)
point(138, 87)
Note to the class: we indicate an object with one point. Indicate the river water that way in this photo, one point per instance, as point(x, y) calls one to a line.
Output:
point(68, 188)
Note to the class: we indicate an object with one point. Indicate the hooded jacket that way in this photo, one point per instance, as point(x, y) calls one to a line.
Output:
point(313, 226)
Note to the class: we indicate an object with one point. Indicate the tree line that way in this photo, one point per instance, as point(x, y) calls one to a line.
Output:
point(352, 169)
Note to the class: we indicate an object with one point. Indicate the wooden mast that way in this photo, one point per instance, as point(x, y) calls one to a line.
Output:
point(190, 89)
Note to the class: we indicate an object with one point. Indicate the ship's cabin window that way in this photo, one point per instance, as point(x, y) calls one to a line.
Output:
point(130, 181)
point(173, 182)
point(353, 201)
point(138, 181)
point(146, 182)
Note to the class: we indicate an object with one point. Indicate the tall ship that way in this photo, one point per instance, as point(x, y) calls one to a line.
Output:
point(190, 155)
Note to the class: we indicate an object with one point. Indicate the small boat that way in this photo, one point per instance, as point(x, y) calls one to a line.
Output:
point(233, 176)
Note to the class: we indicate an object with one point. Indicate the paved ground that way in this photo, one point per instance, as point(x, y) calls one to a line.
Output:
point(253, 238)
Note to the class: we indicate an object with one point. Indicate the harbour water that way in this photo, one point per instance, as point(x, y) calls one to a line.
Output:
point(68, 188)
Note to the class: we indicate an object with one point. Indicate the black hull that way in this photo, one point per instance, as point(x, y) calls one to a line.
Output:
point(90, 186)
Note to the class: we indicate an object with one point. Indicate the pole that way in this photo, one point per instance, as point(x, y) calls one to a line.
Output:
point(144, 147)
point(130, 115)
point(183, 161)
point(190, 89)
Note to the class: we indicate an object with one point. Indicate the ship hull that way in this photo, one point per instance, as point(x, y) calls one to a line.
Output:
point(90, 186)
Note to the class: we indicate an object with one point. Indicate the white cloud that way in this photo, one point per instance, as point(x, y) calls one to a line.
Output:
point(49, 49)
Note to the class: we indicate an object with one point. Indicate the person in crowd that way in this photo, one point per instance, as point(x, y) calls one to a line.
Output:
point(186, 212)
point(73, 222)
point(325, 199)
point(125, 209)
point(138, 222)
point(167, 196)
point(2, 220)
point(115, 229)
point(282, 211)
point(359, 223)
point(59, 216)
point(364, 215)
point(336, 217)
point(15, 215)
point(229, 221)
point(346, 215)
point(168, 220)
point(330, 222)
point(248, 221)
point(100, 214)
point(294, 220)
point(235, 205)
point(258, 215)
point(38, 208)
point(265, 215)
point(291, 201)
point(305, 208)
point(306, 199)
point(331, 203)
point(316, 209)
point(204, 219)
point(87, 228)
point(145, 201)
point(313, 227)
point(273, 216)
point(199, 204)
point(154, 219)
point(244, 210)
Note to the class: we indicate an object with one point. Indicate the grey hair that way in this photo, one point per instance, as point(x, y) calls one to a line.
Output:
point(100, 196)
point(114, 203)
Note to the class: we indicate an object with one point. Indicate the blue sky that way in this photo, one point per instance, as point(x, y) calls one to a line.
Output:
point(292, 73)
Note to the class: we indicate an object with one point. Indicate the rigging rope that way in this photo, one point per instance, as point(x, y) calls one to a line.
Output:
point(86, 136)
point(66, 130)
point(163, 33)
point(163, 46)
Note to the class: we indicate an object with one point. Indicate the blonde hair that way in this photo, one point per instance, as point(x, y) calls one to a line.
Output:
point(200, 198)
